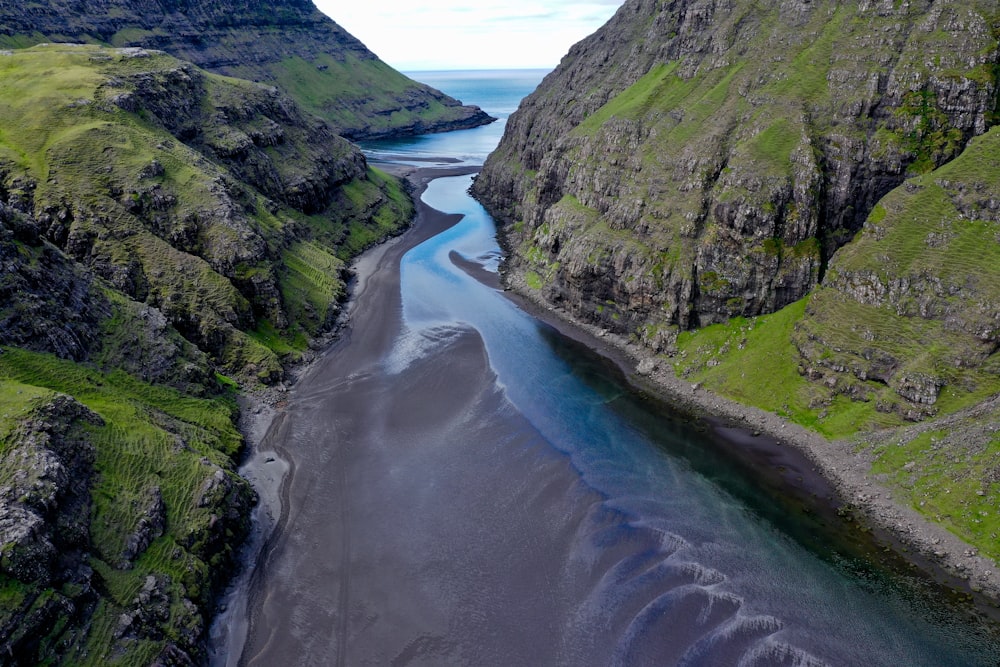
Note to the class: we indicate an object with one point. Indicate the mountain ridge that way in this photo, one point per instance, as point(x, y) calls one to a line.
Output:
point(289, 44)
point(744, 174)
point(789, 204)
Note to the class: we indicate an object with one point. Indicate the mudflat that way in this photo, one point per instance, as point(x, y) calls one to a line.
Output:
point(423, 520)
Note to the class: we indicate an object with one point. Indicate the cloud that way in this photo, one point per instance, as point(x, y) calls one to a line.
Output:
point(456, 34)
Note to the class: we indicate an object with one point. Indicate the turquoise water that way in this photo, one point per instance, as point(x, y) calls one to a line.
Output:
point(764, 581)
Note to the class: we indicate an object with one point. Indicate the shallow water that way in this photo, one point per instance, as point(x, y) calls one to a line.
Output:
point(748, 587)
point(475, 489)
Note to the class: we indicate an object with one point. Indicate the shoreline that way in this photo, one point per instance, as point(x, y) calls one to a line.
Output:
point(928, 547)
point(269, 468)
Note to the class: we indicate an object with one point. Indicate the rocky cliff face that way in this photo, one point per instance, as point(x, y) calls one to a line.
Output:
point(695, 161)
point(193, 194)
point(47, 463)
point(911, 307)
point(793, 204)
point(162, 230)
point(289, 44)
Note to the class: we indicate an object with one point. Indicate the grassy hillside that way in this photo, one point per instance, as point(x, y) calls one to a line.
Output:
point(289, 44)
point(202, 196)
point(342, 90)
point(905, 328)
point(167, 236)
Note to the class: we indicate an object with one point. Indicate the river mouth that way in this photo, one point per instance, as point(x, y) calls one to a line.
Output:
point(469, 487)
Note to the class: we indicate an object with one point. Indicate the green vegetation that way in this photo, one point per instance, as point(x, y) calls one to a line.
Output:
point(950, 471)
point(16, 400)
point(903, 329)
point(929, 138)
point(533, 280)
point(660, 87)
point(381, 193)
point(184, 235)
point(754, 362)
point(359, 95)
point(152, 436)
point(774, 146)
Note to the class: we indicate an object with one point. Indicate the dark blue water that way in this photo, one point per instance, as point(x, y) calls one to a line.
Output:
point(496, 92)
point(703, 567)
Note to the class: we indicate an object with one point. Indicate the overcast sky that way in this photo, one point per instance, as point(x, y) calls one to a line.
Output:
point(470, 34)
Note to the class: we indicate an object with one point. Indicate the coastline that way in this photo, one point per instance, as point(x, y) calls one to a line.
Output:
point(927, 546)
point(267, 466)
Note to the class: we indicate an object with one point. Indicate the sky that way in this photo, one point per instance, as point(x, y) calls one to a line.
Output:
point(415, 35)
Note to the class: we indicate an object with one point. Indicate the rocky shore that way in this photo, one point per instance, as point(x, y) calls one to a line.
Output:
point(929, 547)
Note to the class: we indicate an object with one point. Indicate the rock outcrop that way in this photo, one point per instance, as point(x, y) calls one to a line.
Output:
point(695, 161)
point(46, 468)
point(792, 204)
point(165, 234)
point(45, 517)
point(46, 304)
point(289, 44)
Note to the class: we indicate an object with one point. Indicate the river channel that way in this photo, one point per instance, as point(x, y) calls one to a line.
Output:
point(467, 486)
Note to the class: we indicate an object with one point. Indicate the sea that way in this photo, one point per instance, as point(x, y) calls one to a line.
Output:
point(694, 558)
point(498, 92)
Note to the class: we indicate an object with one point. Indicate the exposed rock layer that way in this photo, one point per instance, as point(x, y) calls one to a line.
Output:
point(693, 161)
point(289, 43)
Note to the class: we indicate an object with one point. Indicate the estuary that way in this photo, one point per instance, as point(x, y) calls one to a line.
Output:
point(464, 485)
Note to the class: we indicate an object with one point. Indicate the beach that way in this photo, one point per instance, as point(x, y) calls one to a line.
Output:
point(354, 514)
point(840, 465)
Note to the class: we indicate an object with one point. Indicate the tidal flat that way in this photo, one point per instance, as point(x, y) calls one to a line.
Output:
point(467, 487)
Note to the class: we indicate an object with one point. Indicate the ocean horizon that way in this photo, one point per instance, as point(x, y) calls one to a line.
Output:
point(492, 70)
point(497, 92)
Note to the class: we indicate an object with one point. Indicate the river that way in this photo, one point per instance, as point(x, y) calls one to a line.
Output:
point(466, 486)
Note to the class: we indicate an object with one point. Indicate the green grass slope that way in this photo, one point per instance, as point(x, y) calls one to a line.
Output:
point(289, 44)
point(904, 328)
point(361, 96)
point(166, 236)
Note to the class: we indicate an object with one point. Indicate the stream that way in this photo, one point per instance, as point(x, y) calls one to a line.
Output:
point(467, 486)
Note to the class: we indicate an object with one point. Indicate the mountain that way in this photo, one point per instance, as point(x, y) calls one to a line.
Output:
point(166, 235)
point(289, 44)
point(792, 204)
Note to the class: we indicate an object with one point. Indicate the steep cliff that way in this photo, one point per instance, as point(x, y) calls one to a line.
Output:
point(898, 349)
point(694, 161)
point(165, 233)
point(792, 204)
point(289, 44)
point(213, 200)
